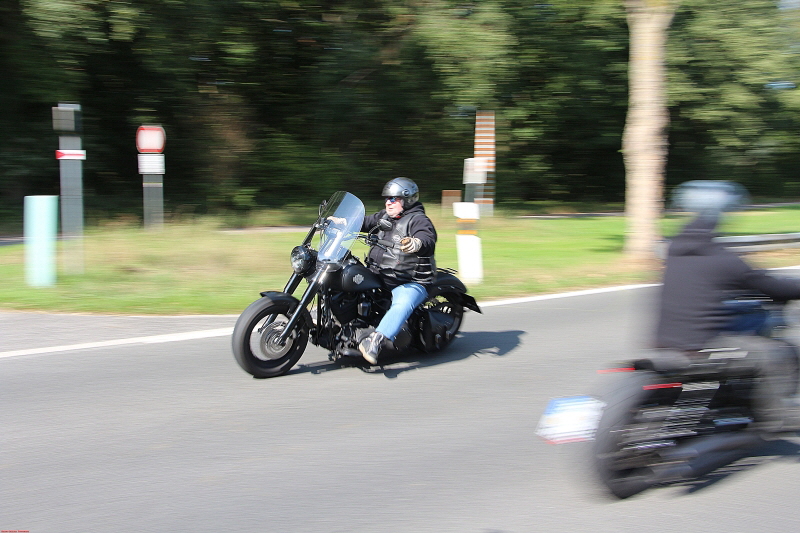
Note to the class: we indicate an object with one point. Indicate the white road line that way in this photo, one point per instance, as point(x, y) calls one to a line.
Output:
point(586, 292)
point(154, 339)
point(221, 332)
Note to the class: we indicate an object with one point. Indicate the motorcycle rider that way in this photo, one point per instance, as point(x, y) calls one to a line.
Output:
point(700, 273)
point(407, 267)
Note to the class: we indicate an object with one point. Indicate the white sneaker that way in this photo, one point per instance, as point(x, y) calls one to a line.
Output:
point(371, 346)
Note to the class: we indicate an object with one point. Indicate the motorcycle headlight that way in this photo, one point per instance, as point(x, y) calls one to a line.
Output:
point(303, 260)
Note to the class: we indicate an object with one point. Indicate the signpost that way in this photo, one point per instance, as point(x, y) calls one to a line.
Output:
point(468, 244)
point(474, 177)
point(70, 156)
point(150, 140)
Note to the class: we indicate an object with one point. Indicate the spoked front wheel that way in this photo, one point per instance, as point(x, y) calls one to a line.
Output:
point(256, 344)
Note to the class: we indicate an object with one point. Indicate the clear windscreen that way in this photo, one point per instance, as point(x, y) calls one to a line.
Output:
point(342, 217)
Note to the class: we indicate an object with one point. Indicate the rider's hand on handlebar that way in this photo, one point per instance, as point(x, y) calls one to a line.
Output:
point(337, 220)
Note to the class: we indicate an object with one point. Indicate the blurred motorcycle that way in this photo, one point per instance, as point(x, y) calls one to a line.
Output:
point(674, 417)
point(671, 417)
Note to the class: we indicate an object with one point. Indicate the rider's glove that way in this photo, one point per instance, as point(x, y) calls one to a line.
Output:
point(410, 245)
point(337, 220)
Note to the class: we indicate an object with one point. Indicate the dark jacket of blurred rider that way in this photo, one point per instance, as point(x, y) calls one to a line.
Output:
point(700, 275)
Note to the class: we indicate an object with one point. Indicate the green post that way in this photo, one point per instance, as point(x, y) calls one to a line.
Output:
point(41, 216)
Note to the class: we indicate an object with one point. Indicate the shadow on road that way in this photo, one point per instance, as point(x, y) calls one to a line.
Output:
point(776, 450)
point(392, 364)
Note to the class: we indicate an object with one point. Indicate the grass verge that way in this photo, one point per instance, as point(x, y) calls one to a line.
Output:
point(198, 267)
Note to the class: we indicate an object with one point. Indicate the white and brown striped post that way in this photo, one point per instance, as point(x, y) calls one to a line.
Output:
point(468, 244)
point(485, 153)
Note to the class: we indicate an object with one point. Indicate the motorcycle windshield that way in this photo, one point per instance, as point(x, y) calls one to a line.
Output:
point(342, 217)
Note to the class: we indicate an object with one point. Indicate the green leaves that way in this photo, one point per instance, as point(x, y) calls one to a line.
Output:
point(284, 99)
point(722, 58)
point(470, 47)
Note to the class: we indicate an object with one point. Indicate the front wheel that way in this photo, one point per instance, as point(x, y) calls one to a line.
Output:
point(255, 338)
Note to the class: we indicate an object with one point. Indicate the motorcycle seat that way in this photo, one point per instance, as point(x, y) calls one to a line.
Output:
point(664, 360)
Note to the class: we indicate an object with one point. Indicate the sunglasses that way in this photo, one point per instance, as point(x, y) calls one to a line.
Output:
point(392, 199)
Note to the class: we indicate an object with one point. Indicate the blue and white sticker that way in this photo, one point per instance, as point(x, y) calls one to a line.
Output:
point(572, 419)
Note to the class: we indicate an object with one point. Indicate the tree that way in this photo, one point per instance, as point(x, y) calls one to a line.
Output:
point(727, 120)
point(644, 140)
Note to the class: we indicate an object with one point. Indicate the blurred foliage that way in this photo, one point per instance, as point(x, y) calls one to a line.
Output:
point(730, 118)
point(273, 101)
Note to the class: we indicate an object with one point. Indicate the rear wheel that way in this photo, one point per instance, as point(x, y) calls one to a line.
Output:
point(255, 339)
point(623, 450)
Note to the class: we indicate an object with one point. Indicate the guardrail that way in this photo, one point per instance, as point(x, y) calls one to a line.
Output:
point(745, 243)
point(760, 243)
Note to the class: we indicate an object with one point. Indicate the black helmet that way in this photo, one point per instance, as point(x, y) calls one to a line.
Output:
point(403, 188)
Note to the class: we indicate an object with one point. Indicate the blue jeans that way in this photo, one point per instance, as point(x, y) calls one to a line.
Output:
point(405, 298)
point(747, 317)
point(751, 323)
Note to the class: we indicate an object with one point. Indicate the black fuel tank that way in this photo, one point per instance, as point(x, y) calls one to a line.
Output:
point(357, 278)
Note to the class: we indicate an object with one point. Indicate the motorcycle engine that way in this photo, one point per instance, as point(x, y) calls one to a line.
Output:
point(344, 306)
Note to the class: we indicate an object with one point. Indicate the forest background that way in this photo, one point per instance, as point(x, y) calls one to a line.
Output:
point(268, 103)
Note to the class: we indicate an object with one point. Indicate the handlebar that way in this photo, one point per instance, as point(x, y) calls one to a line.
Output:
point(373, 240)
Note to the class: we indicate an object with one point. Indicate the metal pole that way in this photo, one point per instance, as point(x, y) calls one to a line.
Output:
point(67, 122)
point(153, 195)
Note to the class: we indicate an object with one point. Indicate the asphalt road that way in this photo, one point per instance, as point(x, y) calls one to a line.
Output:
point(166, 433)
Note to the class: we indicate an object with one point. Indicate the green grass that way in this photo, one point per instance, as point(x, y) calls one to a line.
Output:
point(199, 267)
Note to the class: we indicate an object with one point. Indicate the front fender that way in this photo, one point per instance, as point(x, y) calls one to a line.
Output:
point(277, 296)
point(282, 297)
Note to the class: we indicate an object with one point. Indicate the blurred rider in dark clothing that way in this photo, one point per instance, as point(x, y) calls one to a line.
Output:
point(701, 275)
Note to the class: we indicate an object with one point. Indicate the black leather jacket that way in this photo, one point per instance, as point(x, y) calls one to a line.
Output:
point(395, 266)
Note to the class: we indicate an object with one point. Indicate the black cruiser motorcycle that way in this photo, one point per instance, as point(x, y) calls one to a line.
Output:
point(665, 423)
point(343, 302)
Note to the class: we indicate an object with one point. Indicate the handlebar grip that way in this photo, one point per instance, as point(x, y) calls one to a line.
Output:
point(373, 240)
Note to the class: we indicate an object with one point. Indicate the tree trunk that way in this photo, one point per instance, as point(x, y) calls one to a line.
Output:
point(644, 141)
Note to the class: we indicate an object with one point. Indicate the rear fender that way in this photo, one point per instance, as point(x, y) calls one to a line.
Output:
point(447, 283)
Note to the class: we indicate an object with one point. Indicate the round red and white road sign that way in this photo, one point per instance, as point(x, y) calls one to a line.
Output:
point(150, 139)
